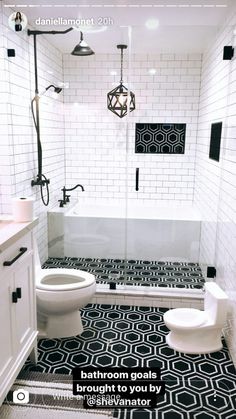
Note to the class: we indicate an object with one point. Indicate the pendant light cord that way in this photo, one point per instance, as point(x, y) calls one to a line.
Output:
point(121, 66)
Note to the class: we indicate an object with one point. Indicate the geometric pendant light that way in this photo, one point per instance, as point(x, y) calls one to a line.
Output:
point(119, 98)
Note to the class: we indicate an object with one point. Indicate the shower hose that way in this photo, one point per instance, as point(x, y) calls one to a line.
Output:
point(41, 178)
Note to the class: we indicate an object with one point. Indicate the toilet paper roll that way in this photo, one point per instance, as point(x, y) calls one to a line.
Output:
point(23, 209)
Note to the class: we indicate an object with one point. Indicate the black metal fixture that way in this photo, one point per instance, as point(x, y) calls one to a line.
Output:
point(41, 179)
point(137, 179)
point(228, 53)
point(11, 53)
point(120, 100)
point(211, 272)
point(215, 140)
point(82, 48)
point(56, 89)
point(10, 262)
point(66, 198)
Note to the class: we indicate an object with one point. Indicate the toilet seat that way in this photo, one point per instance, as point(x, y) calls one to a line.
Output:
point(57, 279)
point(184, 318)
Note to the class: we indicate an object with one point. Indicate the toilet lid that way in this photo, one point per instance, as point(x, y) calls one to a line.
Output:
point(63, 279)
point(185, 317)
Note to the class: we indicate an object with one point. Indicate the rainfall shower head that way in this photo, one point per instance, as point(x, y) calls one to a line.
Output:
point(82, 48)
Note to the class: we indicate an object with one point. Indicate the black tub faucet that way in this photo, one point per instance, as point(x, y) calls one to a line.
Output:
point(66, 198)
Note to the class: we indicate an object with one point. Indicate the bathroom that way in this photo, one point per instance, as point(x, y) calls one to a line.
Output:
point(138, 205)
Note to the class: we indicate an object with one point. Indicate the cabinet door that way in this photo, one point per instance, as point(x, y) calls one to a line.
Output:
point(25, 322)
point(6, 333)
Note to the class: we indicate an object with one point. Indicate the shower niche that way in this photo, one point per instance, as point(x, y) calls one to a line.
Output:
point(160, 138)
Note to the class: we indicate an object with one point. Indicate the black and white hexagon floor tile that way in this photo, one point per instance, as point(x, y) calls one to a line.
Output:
point(197, 386)
point(135, 272)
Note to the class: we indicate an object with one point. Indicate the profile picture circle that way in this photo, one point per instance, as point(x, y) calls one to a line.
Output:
point(17, 21)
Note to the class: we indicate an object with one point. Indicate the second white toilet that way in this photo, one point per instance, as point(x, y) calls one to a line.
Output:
point(198, 332)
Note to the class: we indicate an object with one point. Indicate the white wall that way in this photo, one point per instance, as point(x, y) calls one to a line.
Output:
point(18, 156)
point(215, 183)
point(96, 138)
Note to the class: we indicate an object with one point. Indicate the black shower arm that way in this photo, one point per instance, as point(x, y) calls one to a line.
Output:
point(33, 32)
point(51, 85)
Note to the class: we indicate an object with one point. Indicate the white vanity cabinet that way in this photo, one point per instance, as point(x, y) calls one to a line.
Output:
point(18, 327)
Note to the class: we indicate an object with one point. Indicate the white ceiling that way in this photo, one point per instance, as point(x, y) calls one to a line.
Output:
point(184, 26)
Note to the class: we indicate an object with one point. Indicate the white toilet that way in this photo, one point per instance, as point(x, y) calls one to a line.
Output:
point(60, 294)
point(198, 332)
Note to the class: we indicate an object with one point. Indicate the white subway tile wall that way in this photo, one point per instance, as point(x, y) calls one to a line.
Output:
point(215, 182)
point(96, 146)
point(18, 145)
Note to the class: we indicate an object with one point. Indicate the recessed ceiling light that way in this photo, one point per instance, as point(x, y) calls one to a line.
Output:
point(113, 73)
point(152, 71)
point(152, 23)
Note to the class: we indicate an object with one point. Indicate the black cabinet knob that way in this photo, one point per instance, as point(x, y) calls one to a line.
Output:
point(18, 293)
point(14, 297)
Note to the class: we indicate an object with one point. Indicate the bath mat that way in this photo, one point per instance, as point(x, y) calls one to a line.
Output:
point(50, 396)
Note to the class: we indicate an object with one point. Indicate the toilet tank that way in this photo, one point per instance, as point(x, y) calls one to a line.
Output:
point(215, 303)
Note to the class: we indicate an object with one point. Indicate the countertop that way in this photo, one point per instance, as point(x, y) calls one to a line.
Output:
point(11, 231)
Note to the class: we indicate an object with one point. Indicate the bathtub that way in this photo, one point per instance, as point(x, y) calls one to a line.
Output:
point(98, 230)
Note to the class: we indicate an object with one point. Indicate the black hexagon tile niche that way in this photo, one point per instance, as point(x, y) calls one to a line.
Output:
point(160, 138)
point(197, 386)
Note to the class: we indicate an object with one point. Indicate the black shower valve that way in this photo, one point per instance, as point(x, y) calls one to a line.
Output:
point(67, 198)
point(40, 182)
point(45, 182)
point(35, 182)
